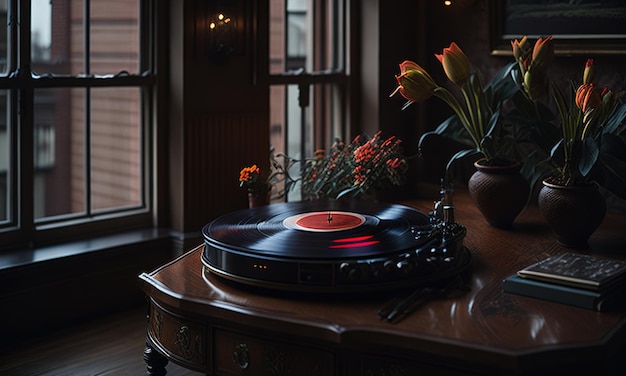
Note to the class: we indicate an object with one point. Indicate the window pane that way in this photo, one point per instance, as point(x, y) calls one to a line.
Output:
point(115, 148)
point(297, 5)
point(5, 149)
point(4, 53)
point(312, 38)
point(114, 36)
point(296, 36)
point(40, 30)
point(277, 37)
point(59, 143)
point(57, 50)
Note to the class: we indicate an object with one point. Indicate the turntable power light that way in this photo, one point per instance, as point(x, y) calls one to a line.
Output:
point(259, 266)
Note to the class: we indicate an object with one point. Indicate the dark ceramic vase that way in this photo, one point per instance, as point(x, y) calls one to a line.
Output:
point(257, 199)
point(499, 192)
point(572, 212)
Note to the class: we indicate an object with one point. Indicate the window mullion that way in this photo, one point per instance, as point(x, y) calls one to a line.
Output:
point(22, 114)
point(87, 68)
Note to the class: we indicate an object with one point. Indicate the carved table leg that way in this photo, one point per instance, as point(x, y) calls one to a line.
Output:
point(155, 362)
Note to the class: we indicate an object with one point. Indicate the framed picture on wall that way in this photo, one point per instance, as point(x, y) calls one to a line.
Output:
point(578, 26)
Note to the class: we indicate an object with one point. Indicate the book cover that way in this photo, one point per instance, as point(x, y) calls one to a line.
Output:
point(583, 271)
point(594, 300)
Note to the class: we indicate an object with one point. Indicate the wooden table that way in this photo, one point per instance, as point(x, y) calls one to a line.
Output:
point(215, 326)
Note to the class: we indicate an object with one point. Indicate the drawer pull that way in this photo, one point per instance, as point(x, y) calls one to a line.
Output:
point(241, 356)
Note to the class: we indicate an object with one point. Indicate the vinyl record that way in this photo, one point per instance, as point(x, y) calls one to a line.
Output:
point(320, 229)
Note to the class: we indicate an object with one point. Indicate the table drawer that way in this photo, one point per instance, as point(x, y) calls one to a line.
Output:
point(184, 340)
point(237, 354)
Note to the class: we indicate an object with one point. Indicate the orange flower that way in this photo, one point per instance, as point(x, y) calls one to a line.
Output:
point(249, 173)
point(455, 64)
point(319, 153)
point(587, 97)
point(543, 52)
point(521, 50)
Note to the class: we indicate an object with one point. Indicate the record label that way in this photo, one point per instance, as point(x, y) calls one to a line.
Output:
point(326, 221)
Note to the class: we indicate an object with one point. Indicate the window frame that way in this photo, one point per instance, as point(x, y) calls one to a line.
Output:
point(22, 230)
point(313, 84)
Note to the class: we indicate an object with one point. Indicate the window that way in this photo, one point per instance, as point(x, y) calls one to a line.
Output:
point(75, 117)
point(309, 75)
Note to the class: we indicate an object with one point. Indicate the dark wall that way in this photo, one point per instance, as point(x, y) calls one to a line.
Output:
point(218, 114)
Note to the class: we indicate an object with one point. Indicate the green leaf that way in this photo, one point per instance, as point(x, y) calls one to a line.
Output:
point(461, 154)
point(613, 145)
point(556, 153)
point(503, 83)
point(615, 119)
point(346, 192)
point(493, 121)
point(588, 157)
point(451, 128)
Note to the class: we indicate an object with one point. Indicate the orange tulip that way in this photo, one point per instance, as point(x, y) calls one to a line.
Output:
point(414, 83)
point(587, 97)
point(543, 52)
point(521, 49)
point(455, 64)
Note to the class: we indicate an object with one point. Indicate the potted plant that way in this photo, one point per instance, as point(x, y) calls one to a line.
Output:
point(258, 188)
point(590, 151)
point(498, 189)
point(362, 167)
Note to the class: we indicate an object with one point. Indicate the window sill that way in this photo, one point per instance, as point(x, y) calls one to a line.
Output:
point(28, 257)
point(53, 286)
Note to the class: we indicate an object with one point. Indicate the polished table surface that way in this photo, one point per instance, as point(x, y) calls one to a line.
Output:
point(483, 329)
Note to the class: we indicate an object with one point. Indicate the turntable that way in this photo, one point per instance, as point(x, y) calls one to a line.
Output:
point(335, 246)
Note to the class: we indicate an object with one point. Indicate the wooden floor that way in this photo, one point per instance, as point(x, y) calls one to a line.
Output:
point(110, 345)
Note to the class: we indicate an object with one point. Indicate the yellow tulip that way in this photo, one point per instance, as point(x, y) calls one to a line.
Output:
point(535, 83)
point(414, 83)
point(455, 64)
point(589, 72)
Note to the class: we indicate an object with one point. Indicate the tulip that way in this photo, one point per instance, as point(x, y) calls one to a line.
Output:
point(535, 83)
point(589, 72)
point(608, 97)
point(414, 83)
point(521, 49)
point(543, 52)
point(587, 97)
point(455, 64)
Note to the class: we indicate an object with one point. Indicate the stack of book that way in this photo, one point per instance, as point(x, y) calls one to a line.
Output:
point(579, 280)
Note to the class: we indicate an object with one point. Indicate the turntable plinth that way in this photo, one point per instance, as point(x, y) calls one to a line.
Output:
point(212, 325)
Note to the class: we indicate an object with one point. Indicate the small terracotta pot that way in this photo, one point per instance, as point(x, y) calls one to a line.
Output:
point(499, 192)
point(572, 212)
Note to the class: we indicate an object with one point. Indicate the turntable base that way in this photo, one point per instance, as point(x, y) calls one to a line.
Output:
point(332, 247)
